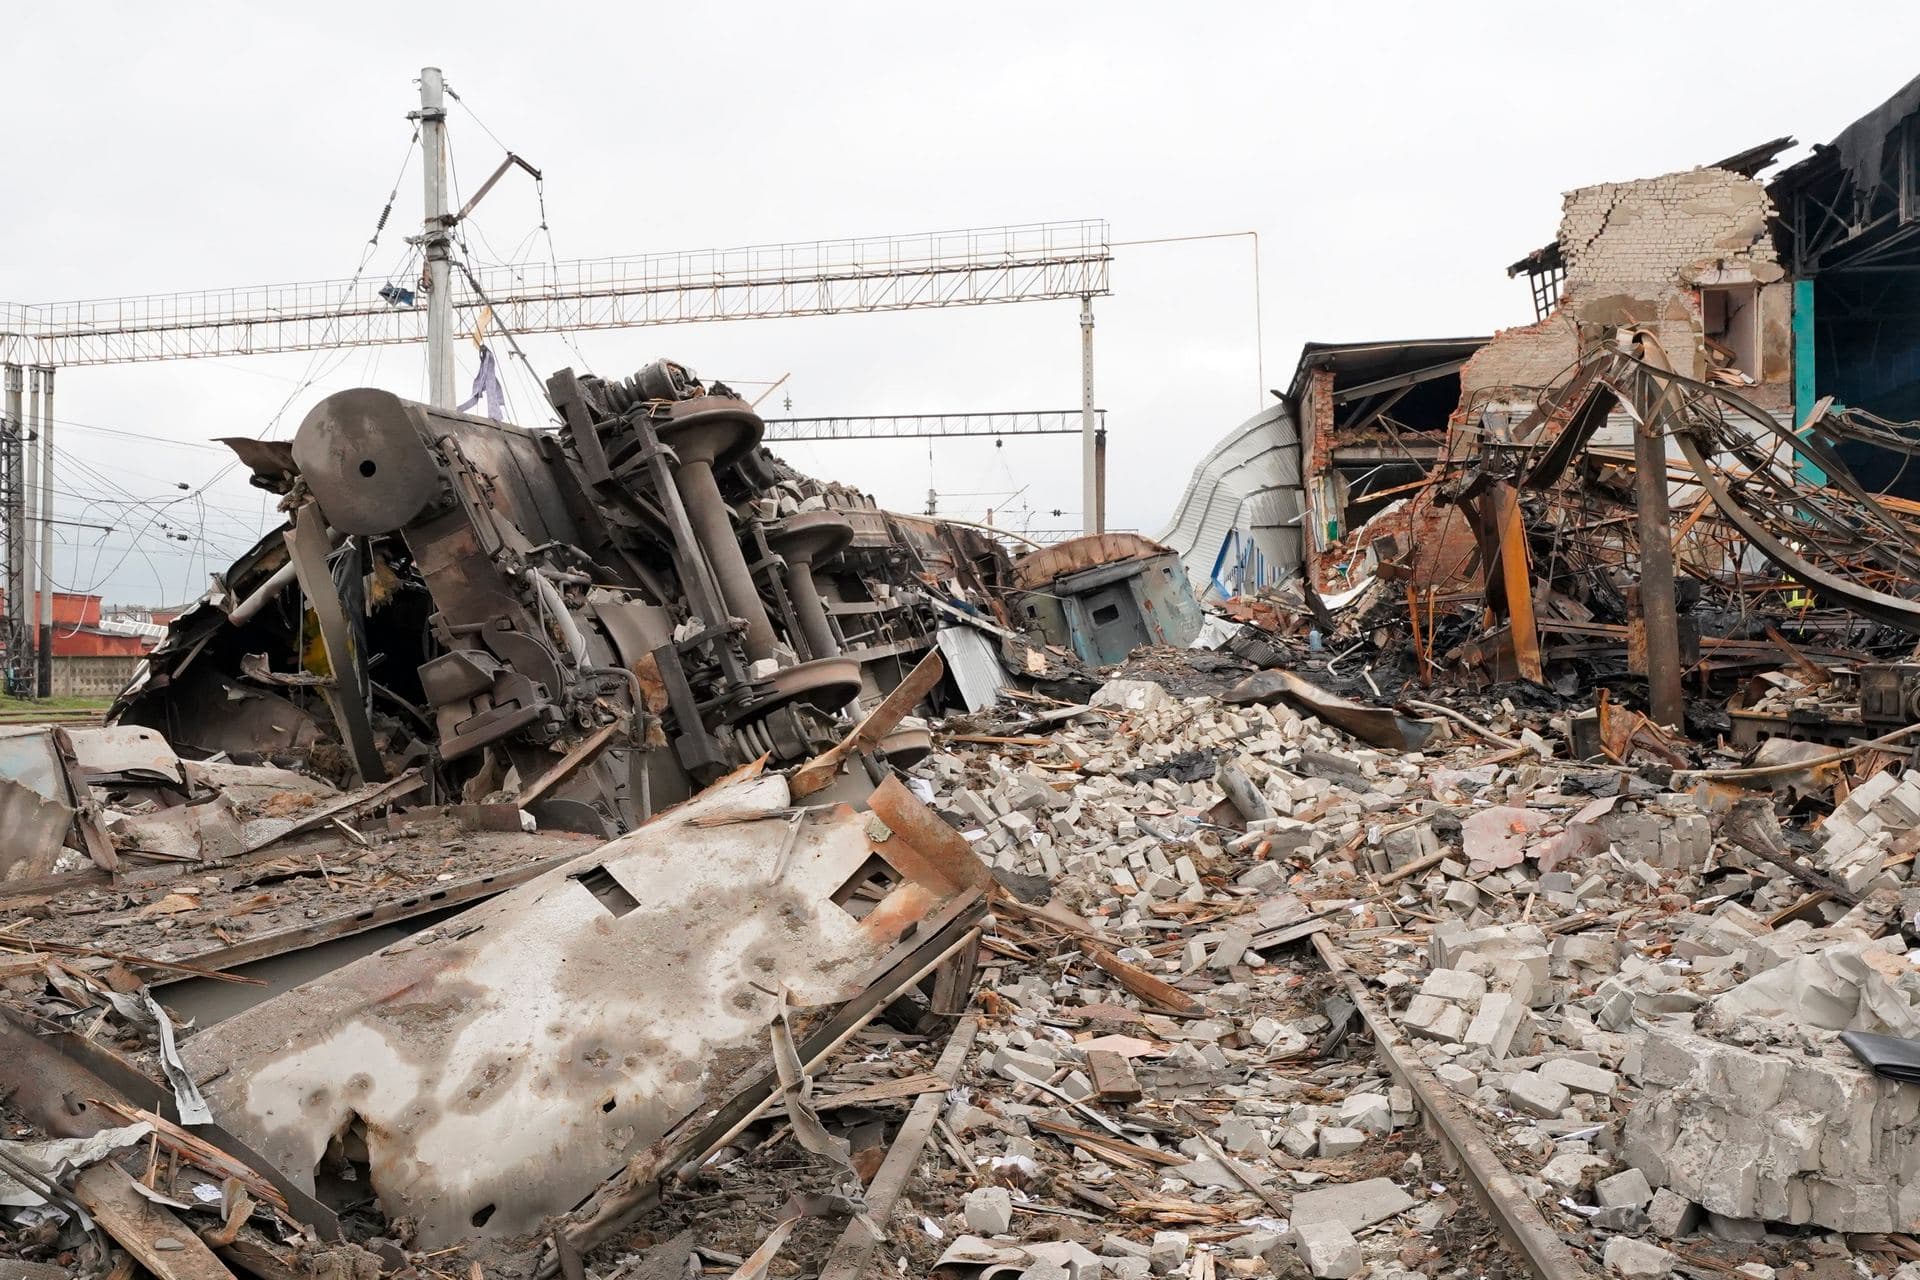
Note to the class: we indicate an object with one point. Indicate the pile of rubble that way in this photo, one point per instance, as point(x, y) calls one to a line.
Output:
point(1641, 1014)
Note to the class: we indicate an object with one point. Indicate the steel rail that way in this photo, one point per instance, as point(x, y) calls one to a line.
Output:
point(1511, 1210)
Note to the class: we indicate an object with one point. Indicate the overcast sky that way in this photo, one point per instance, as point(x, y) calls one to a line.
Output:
point(1392, 156)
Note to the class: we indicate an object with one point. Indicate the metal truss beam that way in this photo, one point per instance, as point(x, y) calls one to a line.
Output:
point(912, 426)
point(886, 273)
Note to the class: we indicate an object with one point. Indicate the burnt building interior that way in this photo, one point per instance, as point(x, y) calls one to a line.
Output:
point(1848, 222)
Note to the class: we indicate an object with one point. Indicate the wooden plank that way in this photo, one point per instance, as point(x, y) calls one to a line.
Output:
point(159, 1241)
point(1104, 1141)
point(856, 1244)
point(1247, 1176)
point(1415, 867)
point(582, 754)
point(1807, 667)
point(905, 1087)
point(1139, 981)
point(204, 1154)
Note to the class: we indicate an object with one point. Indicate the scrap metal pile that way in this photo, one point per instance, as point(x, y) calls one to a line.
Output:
point(512, 833)
point(598, 619)
point(1777, 553)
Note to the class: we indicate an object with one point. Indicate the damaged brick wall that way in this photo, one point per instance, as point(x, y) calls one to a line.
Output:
point(1324, 498)
point(1638, 253)
point(1641, 253)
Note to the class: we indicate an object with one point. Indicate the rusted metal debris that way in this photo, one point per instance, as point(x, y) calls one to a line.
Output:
point(1773, 554)
point(615, 711)
point(643, 581)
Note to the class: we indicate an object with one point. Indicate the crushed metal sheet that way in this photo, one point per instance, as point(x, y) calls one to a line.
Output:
point(505, 1064)
point(57, 1158)
point(187, 1099)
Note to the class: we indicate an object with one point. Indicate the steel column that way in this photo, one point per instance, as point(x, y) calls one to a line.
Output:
point(1100, 480)
point(46, 533)
point(1089, 462)
point(19, 642)
point(434, 238)
point(1654, 526)
point(1516, 580)
point(27, 609)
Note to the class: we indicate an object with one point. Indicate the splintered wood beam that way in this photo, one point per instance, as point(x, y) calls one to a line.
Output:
point(159, 1241)
point(856, 1244)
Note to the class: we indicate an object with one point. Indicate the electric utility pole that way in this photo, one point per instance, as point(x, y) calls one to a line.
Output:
point(434, 238)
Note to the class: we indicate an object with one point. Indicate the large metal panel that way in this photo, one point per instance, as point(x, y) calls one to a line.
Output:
point(1245, 493)
point(496, 1068)
point(975, 665)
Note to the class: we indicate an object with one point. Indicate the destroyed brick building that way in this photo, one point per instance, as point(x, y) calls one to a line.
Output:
point(598, 849)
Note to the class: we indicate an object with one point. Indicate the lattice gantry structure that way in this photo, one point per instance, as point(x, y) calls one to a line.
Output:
point(1031, 262)
point(1027, 263)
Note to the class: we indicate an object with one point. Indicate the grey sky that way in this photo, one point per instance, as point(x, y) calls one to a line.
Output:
point(1393, 158)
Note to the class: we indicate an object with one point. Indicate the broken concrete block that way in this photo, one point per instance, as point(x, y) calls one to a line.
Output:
point(1241, 1136)
point(1750, 1134)
point(1735, 1230)
point(1628, 1218)
point(1636, 1259)
point(1073, 1261)
point(1567, 1171)
point(1435, 1019)
point(1536, 1095)
point(1328, 1249)
point(1132, 695)
point(1454, 985)
point(1229, 948)
point(1019, 1066)
point(1354, 1205)
point(1495, 1022)
point(1580, 1077)
point(1300, 1142)
point(1263, 876)
point(1672, 1216)
point(1623, 1189)
point(1367, 1112)
point(989, 1210)
point(1167, 1252)
point(1613, 1005)
point(1457, 1078)
point(1255, 1244)
point(1339, 1141)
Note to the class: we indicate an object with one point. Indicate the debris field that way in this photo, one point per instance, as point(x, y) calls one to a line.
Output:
point(597, 849)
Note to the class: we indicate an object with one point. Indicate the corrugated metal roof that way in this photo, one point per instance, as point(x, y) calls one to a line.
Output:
point(1248, 486)
point(974, 662)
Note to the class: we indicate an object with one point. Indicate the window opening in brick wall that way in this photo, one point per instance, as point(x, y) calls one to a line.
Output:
point(1730, 321)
